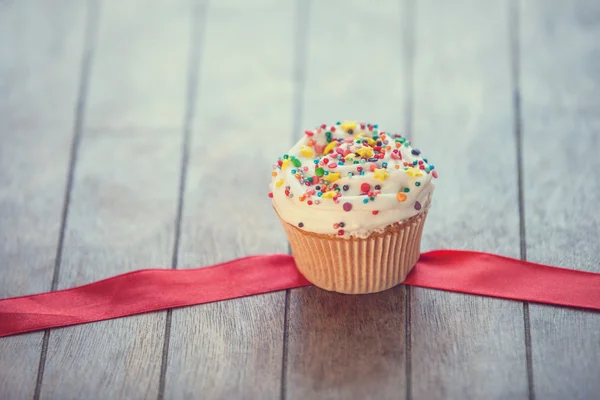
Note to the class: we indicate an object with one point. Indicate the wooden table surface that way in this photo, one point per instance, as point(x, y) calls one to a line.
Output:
point(140, 133)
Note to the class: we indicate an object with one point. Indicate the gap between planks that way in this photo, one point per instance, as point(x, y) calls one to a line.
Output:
point(198, 16)
point(91, 35)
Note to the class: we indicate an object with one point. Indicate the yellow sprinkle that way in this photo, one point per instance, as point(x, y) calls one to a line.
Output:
point(279, 182)
point(348, 125)
point(285, 163)
point(371, 141)
point(359, 136)
point(381, 174)
point(332, 177)
point(329, 147)
point(365, 152)
point(307, 152)
point(329, 195)
point(349, 156)
point(413, 172)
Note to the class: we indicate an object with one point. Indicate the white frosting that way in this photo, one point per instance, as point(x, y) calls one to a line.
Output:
point(404, 189)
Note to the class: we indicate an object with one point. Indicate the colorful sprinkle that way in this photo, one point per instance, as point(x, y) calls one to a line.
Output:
point(417, 205)
point(347, 206)
point(365, 187)
point(300, 224)
point(401, 197)
point(381, 174)
point(307, 152)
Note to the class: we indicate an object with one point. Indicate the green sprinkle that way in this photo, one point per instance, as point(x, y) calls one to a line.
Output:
point(417, 183)
point(285, 157)
point(296, 162)
point(372, 198)
point(406, 190)
point(319, 171)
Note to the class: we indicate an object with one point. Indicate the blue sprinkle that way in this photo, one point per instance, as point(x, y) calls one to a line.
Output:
point(362, 172)
point(384, 164)
point(365, 201)
point(375, 126)
point(319, 194)
point(373, 159)
point(293, 171)
point(316, 161)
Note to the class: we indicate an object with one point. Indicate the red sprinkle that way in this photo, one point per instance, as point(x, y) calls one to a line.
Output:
point(332, 165)
point(279, 162)
point(362, 126)
point(271, 194)
point(309, 202)
point(370, 127)
point(309, 133)
point(377, 148)
point(323, 126)
point(421, 166)
point(375, 212)
point(287, 192)
point(341, 232)
point(359, 169)
point(365, 187)
point(420, 162)
point(434, 173)
point(336, 225)
point(333, 129)
point(325, 160)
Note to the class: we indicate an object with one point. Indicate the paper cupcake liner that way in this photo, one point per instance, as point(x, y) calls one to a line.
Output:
point(357, 266)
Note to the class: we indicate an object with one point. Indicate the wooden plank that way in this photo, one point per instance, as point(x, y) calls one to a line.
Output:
point(350, 347)
point(139, 82)
point(467, 346)
point(560, 54)
point(124, 199)
point(233, 349)
point(40, 58)
point(121, 218)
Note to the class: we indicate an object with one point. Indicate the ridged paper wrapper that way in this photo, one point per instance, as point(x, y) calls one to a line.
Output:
point(358, 265)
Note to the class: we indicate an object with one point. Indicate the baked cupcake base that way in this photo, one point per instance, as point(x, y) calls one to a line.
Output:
point(356, 265)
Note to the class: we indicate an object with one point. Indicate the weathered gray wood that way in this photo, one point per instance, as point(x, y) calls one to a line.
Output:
point(467, 347)
point(350, 347)
point(40, 58)
point(124, 199)
point(120, 219)
point(139, 82)
point(233, 349)
point(560, 79)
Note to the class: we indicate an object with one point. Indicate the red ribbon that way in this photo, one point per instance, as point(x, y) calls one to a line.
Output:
point(159, 289)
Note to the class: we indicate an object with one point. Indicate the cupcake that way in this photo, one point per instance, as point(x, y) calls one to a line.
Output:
point(353, 200)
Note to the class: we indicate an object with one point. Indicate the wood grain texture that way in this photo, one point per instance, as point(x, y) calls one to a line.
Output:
point(123, 208)
point(467, 347)
point(350, 347)
point(39, 65)
point(233, 349)
point(120, 219)
point(139, 81)
point(560, 77)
